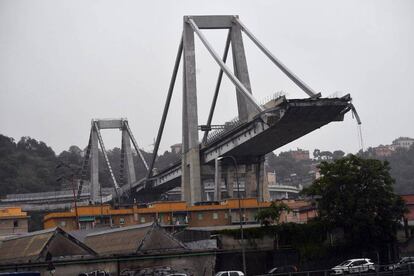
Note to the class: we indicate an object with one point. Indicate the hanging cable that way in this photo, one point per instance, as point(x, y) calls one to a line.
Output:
point(359, 128)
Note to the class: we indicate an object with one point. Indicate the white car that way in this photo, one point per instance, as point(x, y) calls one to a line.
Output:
point(230, 273)
point(353, 266)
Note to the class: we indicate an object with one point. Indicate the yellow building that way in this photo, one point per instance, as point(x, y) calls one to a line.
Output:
point(172, 213)
point(13, 221)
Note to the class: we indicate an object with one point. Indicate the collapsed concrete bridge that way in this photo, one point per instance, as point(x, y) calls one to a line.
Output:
point(258, 130)
point(228, 154)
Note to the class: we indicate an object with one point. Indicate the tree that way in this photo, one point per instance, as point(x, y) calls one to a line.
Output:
point(272, 214)
point(316, 154)
point(356, 195)
point(73, 156)
point(325, 155)
point(338, 154)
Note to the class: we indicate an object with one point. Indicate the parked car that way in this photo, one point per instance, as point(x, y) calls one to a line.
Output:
point(229, 273)
point(353, 266)
point(403, 263)
point(283, 269)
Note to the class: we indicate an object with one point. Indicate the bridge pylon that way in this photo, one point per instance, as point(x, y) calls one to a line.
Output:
point(127, 170)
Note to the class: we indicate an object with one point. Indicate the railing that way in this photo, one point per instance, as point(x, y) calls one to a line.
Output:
point(235, 122)
point(228, 127)
point(48, 195)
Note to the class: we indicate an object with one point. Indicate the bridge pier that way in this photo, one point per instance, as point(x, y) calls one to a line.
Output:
point(94, 187)
point(217, 180)
point(191, 172)
point(128, 159)
point(251, 175)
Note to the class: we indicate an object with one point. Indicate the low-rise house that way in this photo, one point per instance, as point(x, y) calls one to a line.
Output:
point(409, 201)
point(12, 221)
point(175, 214)
point(383, 151)
point(299, 154)
point(403, 143)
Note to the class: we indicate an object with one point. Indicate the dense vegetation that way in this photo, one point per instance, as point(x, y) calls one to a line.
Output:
point(26, 166)
point(30, 165)
point(356, 194)
point(359, 215)
point(402, 169)
point(401, 164)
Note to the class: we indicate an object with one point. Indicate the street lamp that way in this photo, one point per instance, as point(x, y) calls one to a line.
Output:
point(62, 164)
point(240, 209)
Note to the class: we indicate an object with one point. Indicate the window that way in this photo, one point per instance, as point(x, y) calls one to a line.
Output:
point(215, 216)
point(226, 215)
point(121, 221)
point(358, 263)
point(200, 216)
point(142, 220)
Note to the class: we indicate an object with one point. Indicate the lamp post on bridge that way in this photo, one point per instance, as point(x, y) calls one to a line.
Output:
point(240, 209)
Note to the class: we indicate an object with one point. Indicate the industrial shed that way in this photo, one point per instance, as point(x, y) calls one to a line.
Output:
point(42, 246)
point(136, 239)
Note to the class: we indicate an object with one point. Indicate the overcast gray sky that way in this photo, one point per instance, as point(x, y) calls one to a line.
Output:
point(63, 63)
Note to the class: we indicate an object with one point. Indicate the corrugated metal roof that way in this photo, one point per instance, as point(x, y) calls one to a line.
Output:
point(34, 246)
point(120, 229)
point(133, 239)
point(24, 248)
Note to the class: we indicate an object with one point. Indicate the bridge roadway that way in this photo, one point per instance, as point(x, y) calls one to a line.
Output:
point(282, 122)
point(56, 200)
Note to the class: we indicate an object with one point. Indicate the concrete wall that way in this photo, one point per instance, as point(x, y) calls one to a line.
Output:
point(229, 243)
point(192, 264)
point(13, 226)
point(209, 218)
point(195, 264)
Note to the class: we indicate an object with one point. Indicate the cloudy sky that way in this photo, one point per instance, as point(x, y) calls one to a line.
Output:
point(63, 63)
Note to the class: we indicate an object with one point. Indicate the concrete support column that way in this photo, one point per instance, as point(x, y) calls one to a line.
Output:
point(191, 172)
point(129, 162)
point(263, 184)
point(217, 180)
point(250, 183)
point(230, 181)
point(258, 181)
point(94, 187)
point(245, 109)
